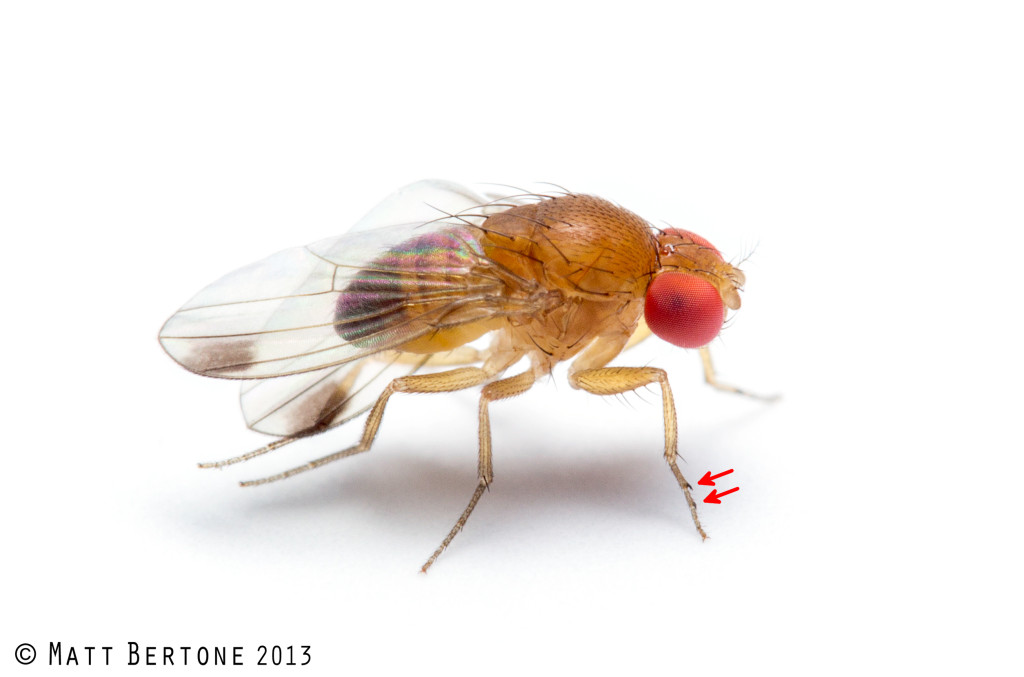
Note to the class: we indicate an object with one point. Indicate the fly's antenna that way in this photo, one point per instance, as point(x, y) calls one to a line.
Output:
point(746, 257)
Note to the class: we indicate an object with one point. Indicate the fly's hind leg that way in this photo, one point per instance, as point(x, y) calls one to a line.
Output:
point(712, 380)
point(442, 382)
point(266, 449)
point(617, 380)
point(499, 390)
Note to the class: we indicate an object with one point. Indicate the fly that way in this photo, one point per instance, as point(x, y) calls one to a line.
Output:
point(323, 333)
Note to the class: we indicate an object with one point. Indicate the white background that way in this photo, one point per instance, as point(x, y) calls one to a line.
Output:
point(868, 158)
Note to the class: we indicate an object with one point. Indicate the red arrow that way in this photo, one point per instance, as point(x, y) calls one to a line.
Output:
point(709, 480)
point(714, 495)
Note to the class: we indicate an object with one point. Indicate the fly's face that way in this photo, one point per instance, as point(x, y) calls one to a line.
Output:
point(687, 299)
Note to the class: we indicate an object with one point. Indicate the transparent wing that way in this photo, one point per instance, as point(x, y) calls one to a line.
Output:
point(433, 198)
point(421, 202)
point(376, 288)
point(335, 301)
point(317, 400)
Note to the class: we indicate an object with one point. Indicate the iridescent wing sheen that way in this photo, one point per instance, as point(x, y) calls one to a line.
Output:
point(344, 298)
point(305, 320)
point(335, 301)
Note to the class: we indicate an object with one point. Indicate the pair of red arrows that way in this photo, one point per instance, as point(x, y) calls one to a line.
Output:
point(709, 481)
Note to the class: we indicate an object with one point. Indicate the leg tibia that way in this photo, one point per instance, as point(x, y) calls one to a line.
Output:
point(615, 380)
point(445, 381)
point(499, 390)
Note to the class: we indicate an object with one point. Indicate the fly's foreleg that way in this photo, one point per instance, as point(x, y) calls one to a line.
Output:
point(443, 382)
point(617, 380)
point(499, 390)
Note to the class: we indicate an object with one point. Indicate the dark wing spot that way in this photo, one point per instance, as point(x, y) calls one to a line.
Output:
point(324, 405)
point(221, 354)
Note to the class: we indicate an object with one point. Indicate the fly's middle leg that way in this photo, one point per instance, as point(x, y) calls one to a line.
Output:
point(499, 390)
point(442, 382)
point(617, 380)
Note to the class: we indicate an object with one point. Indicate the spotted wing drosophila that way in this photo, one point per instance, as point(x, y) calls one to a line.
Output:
point(321, 334)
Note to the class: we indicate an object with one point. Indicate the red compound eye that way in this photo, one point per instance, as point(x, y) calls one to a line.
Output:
point(684, 310)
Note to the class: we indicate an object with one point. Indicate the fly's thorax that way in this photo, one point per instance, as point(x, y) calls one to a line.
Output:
point(594, 256)
point(565, 331)
point(578, 244)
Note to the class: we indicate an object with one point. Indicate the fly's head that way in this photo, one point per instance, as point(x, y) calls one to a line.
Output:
point(687, 299)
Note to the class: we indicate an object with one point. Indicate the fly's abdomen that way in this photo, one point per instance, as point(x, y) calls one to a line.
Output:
point(419, 288)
